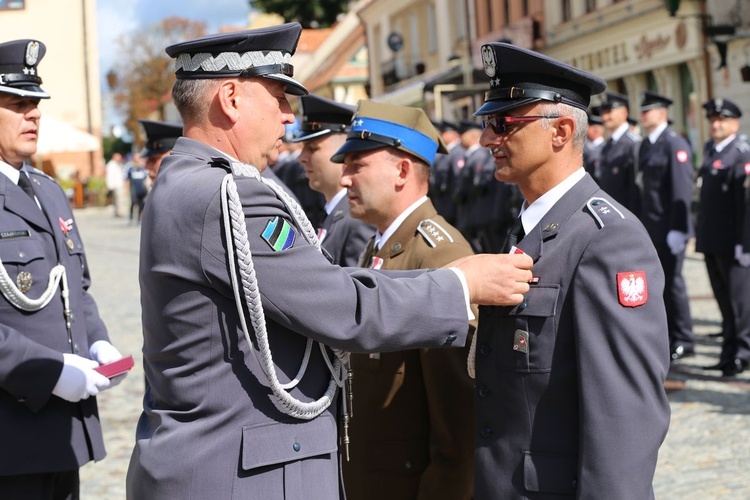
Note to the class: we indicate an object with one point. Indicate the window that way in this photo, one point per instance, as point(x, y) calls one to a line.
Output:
point(12, 4)
point(506, 11)
point(525, 8)
point(431, 28)
point(566, 14)
point(590, 6)
point(460, 19)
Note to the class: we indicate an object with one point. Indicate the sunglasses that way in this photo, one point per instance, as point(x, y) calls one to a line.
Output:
point(500, 123)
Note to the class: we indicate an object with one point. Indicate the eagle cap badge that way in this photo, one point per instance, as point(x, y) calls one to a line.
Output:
point(632, 288)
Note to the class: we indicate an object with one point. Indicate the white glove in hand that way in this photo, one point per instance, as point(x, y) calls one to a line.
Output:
point(78, 380)
point(676, 241)
point(104, 352)
point(742, 258)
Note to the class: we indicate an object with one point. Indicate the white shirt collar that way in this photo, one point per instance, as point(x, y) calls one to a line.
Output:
point(334, 201)
point(473, 148)
point(380, 239)
point(531, 215)
point(657, 132)
point(10, 172)
point(719, 147)
point(617, 134)
point(597, 141)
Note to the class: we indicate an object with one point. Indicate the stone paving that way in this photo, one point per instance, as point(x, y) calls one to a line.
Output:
point(706, 454)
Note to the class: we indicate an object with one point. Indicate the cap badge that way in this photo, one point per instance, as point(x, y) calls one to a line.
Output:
point(488, 60)
point(32, 53)
point(632, 288)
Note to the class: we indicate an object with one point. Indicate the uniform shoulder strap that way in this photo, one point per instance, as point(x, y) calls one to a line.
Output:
point(433, 233)
point(603, 210)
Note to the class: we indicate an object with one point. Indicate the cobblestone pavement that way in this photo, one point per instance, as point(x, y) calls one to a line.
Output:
point(705, 456)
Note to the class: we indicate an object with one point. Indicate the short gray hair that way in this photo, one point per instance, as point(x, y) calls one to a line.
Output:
point(580, 118)
point(191, 98)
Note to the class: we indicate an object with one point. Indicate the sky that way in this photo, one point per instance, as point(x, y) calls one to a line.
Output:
point(116, 17)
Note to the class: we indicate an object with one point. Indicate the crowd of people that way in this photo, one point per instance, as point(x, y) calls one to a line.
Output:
point(376, 305)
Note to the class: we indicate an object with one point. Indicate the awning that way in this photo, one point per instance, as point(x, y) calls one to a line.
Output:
point(56, 136)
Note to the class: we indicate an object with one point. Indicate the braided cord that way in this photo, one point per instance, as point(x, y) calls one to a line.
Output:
point(19, 300)
point(236, 235)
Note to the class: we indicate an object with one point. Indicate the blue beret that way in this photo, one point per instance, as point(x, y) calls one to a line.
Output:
point(322, 116)
point(18, 68)
point(519, 77)
point(262, 52)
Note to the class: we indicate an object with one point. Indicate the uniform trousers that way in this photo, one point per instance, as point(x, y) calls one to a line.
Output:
point(731, 286)
point(62, 485)
point(676, 299)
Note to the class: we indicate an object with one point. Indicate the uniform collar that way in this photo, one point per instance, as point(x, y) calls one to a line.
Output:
point(380, 239)
point(719, 147)
point(654, 136)
point(532, 214)
point(329, 206)
point(617, 134)
point(10, 172)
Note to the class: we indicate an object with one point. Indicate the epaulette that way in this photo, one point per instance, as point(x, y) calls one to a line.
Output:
point(433, 233)
point(221, 162)
point(36, 171)
point(742, 143)
point(602, 210)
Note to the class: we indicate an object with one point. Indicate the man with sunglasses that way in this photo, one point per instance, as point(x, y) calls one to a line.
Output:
point(570, 382)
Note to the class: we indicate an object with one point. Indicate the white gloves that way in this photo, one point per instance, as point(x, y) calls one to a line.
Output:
point(742, 258)
point(78, 380)
point(104, 352)
point(676, 241)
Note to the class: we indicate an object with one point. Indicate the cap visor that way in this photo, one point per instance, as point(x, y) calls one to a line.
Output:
point(495, 107)
point(355, 146)
point(31, 91)
point(293, 87)
point(303, 136)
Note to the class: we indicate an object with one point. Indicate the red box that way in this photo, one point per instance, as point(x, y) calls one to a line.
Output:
point(116, 368)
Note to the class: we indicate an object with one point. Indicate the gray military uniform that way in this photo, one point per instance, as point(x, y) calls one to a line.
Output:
point(211, 427)
point(570, 391)
point(345, 237)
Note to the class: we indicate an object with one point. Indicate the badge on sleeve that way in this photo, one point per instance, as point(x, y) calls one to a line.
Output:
point(279, 234)
point(682, 156)
point(632, 288)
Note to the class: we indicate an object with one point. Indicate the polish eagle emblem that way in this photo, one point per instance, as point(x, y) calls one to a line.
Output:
point(632, 288)
point(488, 60)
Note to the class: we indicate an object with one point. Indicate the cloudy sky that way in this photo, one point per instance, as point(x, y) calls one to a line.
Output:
point(116, 17)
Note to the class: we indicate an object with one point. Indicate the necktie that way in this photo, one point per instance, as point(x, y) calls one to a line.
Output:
point(25, 183)
point(369, 253)
point(515, 235)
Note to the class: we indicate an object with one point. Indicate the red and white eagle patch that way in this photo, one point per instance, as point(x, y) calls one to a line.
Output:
point(747, 169)
point(632, 288)
point(682, 156)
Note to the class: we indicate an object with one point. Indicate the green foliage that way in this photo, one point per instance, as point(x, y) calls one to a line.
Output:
point(309, 13)
point(112, 145)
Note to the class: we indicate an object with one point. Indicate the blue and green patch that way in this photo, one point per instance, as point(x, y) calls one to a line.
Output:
point(279, 234)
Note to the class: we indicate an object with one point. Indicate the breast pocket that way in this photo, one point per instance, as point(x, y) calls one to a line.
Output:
point(522, 338)
point(23, 259)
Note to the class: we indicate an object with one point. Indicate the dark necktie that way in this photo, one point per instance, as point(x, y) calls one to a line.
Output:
point(369, 253)
point(25, 183)
point(515, 235)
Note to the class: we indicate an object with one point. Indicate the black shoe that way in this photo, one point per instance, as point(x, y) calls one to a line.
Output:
point(679, 351)
point(719, 366)
point(734, 367)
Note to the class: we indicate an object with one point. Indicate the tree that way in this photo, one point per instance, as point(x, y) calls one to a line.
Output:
point(309, 13)
point(144, 74)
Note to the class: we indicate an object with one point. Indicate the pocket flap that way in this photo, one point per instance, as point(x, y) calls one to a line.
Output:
point(21, 251)
point(281, 442)
point(539, 301)
point(550, 472)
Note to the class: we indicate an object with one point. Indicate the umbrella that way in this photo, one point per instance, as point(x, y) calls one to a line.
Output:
point(56, 136)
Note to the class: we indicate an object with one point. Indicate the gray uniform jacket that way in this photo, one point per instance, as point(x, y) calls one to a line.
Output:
point(211, 427)
point(571, 402)
point(40, 432)
point(345, 237)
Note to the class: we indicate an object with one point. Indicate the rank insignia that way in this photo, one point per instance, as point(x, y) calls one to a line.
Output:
point(65, 224)
point(521, 341)
point(279, 234)
point(24, 281)
point(632, 288)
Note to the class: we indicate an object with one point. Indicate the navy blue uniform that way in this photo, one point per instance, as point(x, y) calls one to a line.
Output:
point(723, 224)
point(618, 170)
point(667, 171)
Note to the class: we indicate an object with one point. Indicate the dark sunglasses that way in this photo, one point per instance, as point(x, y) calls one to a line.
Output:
point(500, 123)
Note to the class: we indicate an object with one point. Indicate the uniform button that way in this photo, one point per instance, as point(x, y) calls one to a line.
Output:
point(451, 338)
point(595, 202)
point(296, 446)
point(486, 432)
point(22, 254)
point(408, 464)
point(484, 349)
point(483, 391)
point(523, 305)
point(75, 348)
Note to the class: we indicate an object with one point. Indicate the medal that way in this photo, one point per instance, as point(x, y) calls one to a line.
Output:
point(24, 281)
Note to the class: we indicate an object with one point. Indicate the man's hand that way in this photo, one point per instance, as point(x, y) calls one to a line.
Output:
point(743, 259)
point(104, 352)
point(78, 380)
point(676, 240)
point(496, 280)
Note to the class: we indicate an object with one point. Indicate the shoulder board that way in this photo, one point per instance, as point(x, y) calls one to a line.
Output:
point(603, 210)
point(742, 144)
point(221, 162)
point(36, 171)
point(433, 233)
